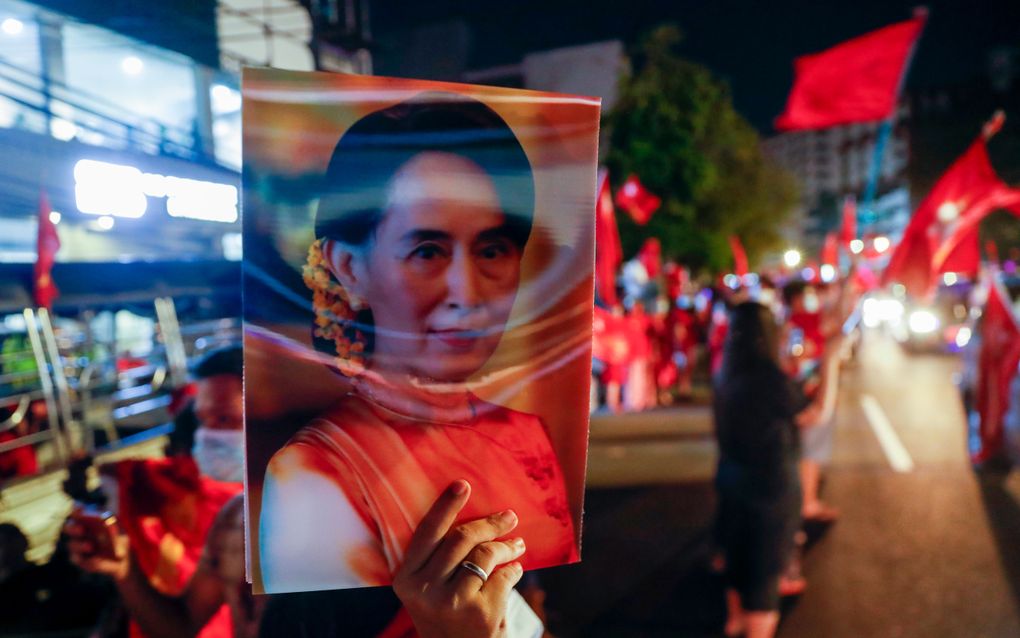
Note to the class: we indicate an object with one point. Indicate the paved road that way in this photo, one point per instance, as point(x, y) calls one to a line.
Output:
point(922, 549)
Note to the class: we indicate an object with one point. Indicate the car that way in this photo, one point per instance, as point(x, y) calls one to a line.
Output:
point(939, 325)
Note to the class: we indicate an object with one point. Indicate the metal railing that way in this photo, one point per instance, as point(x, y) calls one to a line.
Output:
point(100, 121)
point(85, 391)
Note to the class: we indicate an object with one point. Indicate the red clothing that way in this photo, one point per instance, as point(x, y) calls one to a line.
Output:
point(392, 468)
point(19, 461)
point(167, 509)
point(810, 323)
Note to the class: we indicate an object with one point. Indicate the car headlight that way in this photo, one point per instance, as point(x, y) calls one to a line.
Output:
point(922, 322)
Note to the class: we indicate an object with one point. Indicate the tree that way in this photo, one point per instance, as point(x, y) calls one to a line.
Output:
point(675, 127)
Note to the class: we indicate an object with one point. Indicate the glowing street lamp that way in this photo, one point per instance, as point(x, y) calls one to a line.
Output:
point(881, 244)
point(791, 258)
point(856, 246)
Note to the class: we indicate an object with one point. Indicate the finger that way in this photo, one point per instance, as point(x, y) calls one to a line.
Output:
point(488, 556)
point(435, 524)
point(463, 538)
point(497, 588)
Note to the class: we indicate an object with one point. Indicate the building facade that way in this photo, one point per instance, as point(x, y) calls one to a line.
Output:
point(134, 148)
point(832, 163)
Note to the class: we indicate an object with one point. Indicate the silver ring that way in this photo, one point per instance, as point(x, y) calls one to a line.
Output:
point(475, 569)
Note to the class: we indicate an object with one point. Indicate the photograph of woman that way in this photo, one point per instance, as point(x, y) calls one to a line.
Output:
point(422, 220)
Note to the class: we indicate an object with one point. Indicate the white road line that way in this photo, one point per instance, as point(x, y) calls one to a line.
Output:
point(898, 456)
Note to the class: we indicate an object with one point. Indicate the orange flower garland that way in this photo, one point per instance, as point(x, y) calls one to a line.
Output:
point(333, 313)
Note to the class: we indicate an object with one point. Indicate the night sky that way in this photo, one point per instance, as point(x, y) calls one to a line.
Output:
point(750, 44)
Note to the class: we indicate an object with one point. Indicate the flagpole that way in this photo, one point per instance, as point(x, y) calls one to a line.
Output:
point(864, 212)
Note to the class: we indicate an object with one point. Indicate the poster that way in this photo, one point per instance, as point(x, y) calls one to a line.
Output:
point(418, 289)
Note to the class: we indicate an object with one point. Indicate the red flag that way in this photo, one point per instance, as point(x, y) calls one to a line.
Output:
point(739, 256)
point(608, 251)
point(634, 198)
point(960, 250)
point(166, 509)
point(855, 81)
point(830, 251)
point(650, 257)
point(969, 179)
point(997, 363)
point(848, 231)
point(47, 244)
point(992, 250)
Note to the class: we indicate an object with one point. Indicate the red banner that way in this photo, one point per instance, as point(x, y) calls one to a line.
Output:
point(854, 81)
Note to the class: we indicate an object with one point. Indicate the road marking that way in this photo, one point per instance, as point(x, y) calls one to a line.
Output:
point(894, 450)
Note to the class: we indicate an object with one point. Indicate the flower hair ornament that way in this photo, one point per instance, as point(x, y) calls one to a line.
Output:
point(335, 313)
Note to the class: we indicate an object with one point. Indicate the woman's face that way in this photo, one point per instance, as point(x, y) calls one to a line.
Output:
point(442, 271)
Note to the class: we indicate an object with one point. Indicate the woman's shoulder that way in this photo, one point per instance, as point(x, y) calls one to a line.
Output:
point(319, 440)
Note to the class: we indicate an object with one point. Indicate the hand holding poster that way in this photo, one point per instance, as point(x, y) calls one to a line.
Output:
point(418, 287)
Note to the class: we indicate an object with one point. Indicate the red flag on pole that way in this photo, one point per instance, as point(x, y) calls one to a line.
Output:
point(608, 251)
point(960, 250)
point(992, 250)
point(969, 179)
point(830, 250)
point(634, 198)
point(167, 509)
point(47, 244)
point(848, 231)
point(997, 363)
point(739, 256)
point(854, 81)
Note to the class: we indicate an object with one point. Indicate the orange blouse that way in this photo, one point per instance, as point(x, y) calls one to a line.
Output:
point(393, 467)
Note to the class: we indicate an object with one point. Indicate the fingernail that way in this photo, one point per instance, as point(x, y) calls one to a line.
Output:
point(518, 543)
point(460, 487)
point(508, 516)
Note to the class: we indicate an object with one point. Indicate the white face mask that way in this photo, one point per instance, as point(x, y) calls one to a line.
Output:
point(220, 454)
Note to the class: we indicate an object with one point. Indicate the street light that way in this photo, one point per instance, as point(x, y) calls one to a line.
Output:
point(856, 246)
point(791, 258)
point(881, 244)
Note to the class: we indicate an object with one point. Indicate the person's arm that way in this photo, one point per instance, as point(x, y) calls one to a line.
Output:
point(158, 615)
point(309, 532)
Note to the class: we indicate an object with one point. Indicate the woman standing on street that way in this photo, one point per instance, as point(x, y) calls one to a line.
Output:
point(756, 412)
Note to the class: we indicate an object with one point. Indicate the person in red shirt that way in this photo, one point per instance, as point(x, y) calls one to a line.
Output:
point(639, 385)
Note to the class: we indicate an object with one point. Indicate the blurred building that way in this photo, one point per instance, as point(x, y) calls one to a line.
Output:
point(135, 146)
point(832, 163)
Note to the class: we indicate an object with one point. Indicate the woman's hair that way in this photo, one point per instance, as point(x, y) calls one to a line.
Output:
point(353, 197)
point(371, 152)
point(752, 341)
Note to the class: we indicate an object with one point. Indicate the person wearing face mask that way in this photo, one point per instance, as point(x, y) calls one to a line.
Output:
point(191, 502)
